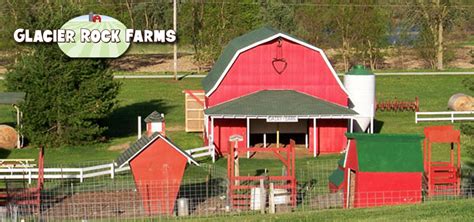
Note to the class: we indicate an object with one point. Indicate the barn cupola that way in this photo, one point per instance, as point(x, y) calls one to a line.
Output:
point(155, 122)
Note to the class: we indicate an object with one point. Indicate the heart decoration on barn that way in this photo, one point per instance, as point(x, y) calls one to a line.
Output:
point(279, 63)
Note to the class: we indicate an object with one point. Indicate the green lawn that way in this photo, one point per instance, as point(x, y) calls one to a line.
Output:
point(457, 210)
point(142, 96)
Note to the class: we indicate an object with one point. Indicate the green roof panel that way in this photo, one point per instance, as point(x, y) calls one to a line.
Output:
point(359, 70)
point(336, 177)
point(231, 49)
point(140, 144)
point(154, 117)
point(278, 103)
point(388, 152)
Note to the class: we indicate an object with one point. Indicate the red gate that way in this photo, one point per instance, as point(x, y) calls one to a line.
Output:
point(240, 187)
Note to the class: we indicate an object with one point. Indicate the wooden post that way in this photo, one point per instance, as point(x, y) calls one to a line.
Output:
point(175, 45)
point(139, 133)
point(306, 140)
point(315, 141)
point(18, 141)
point(237, 165)
point(264, 140)
point(248, 137)
point(271, 199)
point(351, 128)
point(262, 197)
point(278, 136)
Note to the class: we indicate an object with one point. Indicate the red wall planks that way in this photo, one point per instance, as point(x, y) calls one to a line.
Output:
point(379, 189)
point(253, 71)
point(224, 128)
point(331, 135)
point(157, 172)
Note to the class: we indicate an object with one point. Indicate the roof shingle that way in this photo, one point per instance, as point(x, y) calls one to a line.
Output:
point(279, 103)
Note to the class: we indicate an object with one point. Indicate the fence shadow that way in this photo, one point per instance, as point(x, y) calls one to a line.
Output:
point(123, 121)
point(378, 125)
point(203, 193)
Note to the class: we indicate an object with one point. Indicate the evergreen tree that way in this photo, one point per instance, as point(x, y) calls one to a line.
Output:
point(66, 98)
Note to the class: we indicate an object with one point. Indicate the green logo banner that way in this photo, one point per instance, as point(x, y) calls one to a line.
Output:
point(96, 36)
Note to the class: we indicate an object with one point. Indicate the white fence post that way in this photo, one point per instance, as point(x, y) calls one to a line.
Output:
point(112, 170)
point(271, 199)
point(213, 153)
point(29, 176)
point(81, 175)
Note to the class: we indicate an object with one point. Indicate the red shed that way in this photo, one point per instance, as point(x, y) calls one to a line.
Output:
point(380, 170)
point(269, 87)
point(157, 166)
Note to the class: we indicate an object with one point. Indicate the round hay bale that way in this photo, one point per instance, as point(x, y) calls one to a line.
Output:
point(461, 102)
point(8, 137)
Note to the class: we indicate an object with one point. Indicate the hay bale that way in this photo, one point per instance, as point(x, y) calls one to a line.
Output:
point(8, 137)
point(461, 102)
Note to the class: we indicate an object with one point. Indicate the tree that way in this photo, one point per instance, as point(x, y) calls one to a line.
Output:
point(278, 15)
point(211, 25)
point(433, 19)
point(66, 98)
point(358, 40)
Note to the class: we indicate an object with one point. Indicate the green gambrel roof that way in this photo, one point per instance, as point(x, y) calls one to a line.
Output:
point(278, 103)
point(388, 152)
point(231, 49)
point(12, 97)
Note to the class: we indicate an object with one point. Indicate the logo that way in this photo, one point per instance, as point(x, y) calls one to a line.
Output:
point(94, 36)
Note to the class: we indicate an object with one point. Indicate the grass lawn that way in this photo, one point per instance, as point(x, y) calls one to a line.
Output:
point(458, 210)
point(142, 96)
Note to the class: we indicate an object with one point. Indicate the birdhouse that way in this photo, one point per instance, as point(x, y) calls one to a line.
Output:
point(155, 122)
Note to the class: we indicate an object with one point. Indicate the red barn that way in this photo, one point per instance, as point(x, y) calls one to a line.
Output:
point(270, 87)
point(157, 166)
point(380, 170)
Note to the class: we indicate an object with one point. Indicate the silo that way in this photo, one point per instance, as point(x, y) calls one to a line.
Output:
point(360, 84)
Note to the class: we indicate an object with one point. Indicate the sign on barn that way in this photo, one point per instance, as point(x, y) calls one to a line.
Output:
point(282, 119)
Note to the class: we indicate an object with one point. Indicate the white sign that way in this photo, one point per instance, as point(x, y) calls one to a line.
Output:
point(282, 119)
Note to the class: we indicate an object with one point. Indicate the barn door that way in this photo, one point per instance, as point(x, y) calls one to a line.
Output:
point(351, 178)
point(194, 110)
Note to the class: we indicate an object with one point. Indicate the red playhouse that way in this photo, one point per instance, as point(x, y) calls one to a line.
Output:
point(269, 87)
point(380, 170)
point(157, 166)
point(444, 178)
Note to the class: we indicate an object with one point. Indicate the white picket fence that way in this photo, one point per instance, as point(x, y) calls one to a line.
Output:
point(444, 116)
point(202, 152)
point(31, 174)
point(61, 173)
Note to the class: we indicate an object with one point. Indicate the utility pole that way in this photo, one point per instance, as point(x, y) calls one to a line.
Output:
point(175, 45)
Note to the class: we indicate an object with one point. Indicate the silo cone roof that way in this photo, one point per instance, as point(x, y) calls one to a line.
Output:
point(359, 70)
